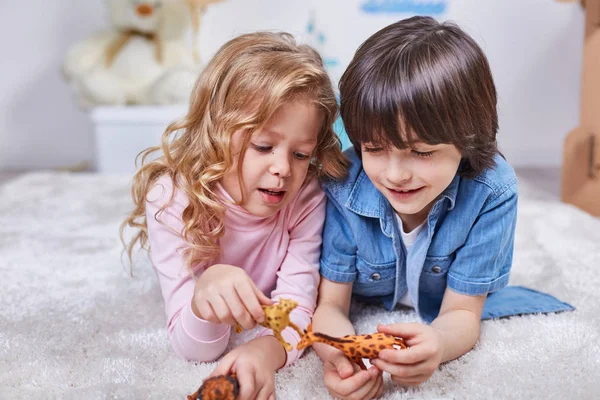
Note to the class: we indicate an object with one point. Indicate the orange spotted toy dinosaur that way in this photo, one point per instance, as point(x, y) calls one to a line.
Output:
point(222, 387)
point(277, 318)
point(355, 347)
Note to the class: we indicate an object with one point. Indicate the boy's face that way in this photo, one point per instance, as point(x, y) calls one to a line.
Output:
point(411, 179)
point(277, 159)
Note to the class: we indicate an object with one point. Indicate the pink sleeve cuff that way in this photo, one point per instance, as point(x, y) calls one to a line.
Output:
point(201, 330)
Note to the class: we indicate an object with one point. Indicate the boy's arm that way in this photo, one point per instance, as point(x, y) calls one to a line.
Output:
point(459, 323)
point(331, 315)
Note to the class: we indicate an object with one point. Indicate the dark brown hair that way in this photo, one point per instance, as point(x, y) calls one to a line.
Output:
point(421, 80)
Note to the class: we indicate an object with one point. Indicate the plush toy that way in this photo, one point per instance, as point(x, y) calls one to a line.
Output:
point(355, 347)
point(277, 318)
point(145, 58)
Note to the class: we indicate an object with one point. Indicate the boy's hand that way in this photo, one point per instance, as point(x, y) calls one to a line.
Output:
point(225, 294)
point(254, 364)
point(345, 380)
point(416, 364)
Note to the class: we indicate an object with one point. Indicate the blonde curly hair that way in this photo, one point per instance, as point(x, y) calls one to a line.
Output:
point(248, 79)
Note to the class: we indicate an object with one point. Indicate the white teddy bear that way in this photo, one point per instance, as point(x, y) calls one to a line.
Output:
point(144, 59)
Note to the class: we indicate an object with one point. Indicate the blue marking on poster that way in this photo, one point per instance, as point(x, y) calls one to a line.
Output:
point(420, 7)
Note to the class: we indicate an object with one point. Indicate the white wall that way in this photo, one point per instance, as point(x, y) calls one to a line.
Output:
point(534, 47)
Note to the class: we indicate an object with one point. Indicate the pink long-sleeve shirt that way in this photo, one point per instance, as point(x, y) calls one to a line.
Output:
point(280, 254)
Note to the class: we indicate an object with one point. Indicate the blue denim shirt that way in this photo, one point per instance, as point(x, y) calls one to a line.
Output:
point(467, 245)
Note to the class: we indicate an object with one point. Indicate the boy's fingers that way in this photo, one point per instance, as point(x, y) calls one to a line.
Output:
point(404, 331)
point(412, 355)
point(343, 366)
point(402, 370)
point(353, 383)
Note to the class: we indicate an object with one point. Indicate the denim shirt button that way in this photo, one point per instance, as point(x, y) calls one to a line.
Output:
point(375, 276)
point(436, 269)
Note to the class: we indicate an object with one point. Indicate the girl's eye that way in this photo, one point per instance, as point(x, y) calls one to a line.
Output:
point(423, 153)
point(301, 156)
point(262, 149)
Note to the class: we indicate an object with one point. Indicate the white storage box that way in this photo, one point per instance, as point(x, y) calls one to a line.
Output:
point(120, 133)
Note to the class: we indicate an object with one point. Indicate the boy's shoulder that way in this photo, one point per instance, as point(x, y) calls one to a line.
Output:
point(498, 178)
point(342, 187)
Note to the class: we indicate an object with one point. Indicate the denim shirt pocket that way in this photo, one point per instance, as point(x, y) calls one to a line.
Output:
point(434, 275)
point(374, 279)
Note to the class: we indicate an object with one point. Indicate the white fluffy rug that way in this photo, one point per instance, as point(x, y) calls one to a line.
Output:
point(74, 325)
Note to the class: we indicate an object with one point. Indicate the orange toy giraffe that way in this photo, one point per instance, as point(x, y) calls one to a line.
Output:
point(277, 318)
point(355, 347)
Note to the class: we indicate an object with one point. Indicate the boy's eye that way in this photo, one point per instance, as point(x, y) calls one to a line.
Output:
point(372, 149)
point(301, 156)
point(262, 149)
point(422, 153)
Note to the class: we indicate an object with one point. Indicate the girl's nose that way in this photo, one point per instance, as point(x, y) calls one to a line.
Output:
point(281, 166)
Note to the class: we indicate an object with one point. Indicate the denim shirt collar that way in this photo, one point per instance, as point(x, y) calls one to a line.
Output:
point(366, 200)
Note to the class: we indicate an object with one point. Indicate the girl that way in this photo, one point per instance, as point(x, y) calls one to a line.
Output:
point(426, 216)
point(233, 211)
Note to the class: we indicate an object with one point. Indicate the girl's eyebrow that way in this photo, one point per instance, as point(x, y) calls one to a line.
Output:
point(270, 132)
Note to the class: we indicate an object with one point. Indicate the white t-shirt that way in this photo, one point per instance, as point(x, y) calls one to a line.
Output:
point(408, 239)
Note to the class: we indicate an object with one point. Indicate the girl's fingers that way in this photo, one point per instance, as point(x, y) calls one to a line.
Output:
point(223, 368)
point(247, 383)
point(206, 311)
point(265, 392)
point(248, 295)
point(238, 310)
point(263, 298)
point(221, 310)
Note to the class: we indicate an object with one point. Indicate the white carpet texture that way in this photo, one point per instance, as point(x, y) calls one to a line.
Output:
point(74, 325)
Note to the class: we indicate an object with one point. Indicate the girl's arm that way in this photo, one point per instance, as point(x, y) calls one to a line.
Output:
point(191, 337)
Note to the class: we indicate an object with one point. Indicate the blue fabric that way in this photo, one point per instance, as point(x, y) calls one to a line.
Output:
point(467, 245)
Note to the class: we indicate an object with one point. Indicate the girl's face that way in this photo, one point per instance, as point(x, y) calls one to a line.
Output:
point(277, 159)
point(411, 179)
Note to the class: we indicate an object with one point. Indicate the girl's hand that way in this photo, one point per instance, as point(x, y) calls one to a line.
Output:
point(225, 294)
point(416, 364)
point(255, 364)
point(345, 380)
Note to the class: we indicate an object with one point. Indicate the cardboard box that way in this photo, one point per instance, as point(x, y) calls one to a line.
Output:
point(580, 184)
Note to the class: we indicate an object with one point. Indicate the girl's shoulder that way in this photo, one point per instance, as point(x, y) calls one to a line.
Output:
point(164, 191)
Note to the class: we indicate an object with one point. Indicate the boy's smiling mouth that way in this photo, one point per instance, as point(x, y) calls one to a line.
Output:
point(403, 194)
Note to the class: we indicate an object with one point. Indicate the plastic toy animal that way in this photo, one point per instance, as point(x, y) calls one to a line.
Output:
point(355, 347)
point(277, 318)
point(222, 387)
